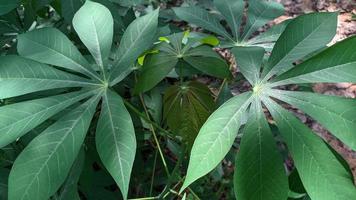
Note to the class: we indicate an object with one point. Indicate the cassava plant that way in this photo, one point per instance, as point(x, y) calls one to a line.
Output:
point(259, 171)
point(232, 12)
point(48, 60)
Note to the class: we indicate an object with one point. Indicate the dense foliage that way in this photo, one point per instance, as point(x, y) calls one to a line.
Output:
point(109, 99)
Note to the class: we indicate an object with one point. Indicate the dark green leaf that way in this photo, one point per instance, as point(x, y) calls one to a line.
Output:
point(20, 76)
point(216, 137)
point(137, 38)
point(44, 164)
point(154, 70)
point(50, 46)
point(115, 140)
point(302, 36)
point(17, 119)
point(335, 64)
point(259, 171)
point(322, 174)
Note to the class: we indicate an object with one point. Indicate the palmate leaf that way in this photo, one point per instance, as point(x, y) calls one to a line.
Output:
point(302, 36)
point(209, 65)
point(50, 46)
point(203, 18)
point(337, 114)
point(249, 62)
point(216, 137)
point(333, 65)
point(115, 140)
point(18, 119)
point(322, 174)
point(232, 10)
point(259, 13)
point(154, 70)
point(137, 38)
point(95, 27)
point(186, 108)
point(8, 5)
point(43, 165)
point(19, 76)
point(259, 171)
point(69, 189)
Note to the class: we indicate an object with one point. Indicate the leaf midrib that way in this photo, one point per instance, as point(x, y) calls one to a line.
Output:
point(56, 147)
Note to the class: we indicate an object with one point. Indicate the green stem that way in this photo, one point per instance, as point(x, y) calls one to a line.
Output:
point(143, 116)
point(153, 173)
point(144, 198)
point(155, 137)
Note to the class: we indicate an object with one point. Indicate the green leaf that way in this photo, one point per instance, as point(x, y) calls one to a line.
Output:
point(95, 27)
point(249, 61)
point(271, 35)
point(259, 171)
point(233, 11)
point(44, 164)
point(154, 70)
point(202, 18)
point(302, 36)
point(323, 176)
point(337, 114)
point(209, 65)
point(50, 46)
point(186, 108)
point(18, 119)
point(216, 138)
point(20, 76)
point(8, 5)
point(115, 140)
point(4, 174)
point(259, 13)
point(137, 38)
point(69, 190)
point(69, 8)
point(335, 64)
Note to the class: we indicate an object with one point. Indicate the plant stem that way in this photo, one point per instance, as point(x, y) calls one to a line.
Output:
point(145, 198)
point(153, 173)
point(220, 89)
point(143, 116)
point(155, 136)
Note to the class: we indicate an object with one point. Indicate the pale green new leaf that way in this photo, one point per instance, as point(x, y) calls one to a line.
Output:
point(259, 171)
point(335, 64)
point(249, 61)
point(95, 27)
point(323, 176)
point(8, 5)
point(50, 46)
point(202, 18)
point(216, 137)
point(19, 76)
point(69, 189)
point(18, 119)
point(137, 38)
point(44, 164)
point(259, 13)
point(337, 114)
point(115, 140)
point(232, 10)
point(302, 36)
